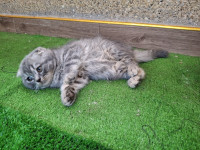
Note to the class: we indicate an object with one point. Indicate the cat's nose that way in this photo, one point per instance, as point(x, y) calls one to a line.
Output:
point(38, 80)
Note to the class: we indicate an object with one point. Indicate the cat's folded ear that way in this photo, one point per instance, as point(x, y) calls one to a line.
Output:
point(40, 50)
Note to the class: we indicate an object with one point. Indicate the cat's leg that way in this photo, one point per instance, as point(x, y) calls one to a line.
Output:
point(130, 71)
point(112, 70)
point(73, 82)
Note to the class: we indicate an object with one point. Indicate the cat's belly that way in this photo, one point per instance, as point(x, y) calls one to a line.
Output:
point(106, 70)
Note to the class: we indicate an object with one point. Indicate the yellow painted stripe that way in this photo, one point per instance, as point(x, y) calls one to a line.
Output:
point(108, 22)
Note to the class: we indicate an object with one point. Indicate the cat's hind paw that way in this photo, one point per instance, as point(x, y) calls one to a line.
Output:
point(133, 82)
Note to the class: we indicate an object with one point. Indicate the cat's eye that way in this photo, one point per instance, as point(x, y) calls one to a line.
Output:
point(39, 69)
point(30, 78)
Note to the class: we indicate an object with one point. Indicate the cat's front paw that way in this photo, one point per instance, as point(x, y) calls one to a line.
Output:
point(68, 96)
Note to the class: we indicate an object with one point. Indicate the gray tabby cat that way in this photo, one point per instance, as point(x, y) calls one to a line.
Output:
point(71, 66)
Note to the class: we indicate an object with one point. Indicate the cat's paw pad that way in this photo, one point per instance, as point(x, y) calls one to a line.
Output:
point(68, 96)
point(133, 82)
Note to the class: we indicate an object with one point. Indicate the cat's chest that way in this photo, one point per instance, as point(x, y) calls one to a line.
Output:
point(58, 78)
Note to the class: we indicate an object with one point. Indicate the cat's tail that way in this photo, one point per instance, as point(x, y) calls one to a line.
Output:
point(148, 55)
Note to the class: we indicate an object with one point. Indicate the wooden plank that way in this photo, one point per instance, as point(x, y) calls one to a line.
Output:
point(74, 29)
point(7, 24)
point(176, 41)
point(28, 28)
point(56, 28)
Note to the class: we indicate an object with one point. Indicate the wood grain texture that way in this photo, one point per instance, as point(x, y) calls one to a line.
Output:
point(7, 24)
point(175, 41)
point(56, 28)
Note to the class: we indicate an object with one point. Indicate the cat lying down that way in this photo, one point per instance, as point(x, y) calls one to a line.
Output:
point(71, 66)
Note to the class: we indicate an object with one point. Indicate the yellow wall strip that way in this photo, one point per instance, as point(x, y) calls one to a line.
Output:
point(107, 22)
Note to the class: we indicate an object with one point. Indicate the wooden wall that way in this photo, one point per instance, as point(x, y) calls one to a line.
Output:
point(175, 41)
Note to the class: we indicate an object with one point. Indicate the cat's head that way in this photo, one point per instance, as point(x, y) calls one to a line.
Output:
point(37, 68)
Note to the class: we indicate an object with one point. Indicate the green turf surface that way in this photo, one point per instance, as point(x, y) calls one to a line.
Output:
point(22, 132)
point(163, 112)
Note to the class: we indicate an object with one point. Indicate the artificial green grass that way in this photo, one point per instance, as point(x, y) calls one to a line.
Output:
point(163, 112)
point(26, 133)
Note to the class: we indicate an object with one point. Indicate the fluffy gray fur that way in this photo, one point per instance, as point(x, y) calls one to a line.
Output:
point(71, 66)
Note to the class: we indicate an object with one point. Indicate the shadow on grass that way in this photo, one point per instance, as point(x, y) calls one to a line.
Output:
point(21, 132)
